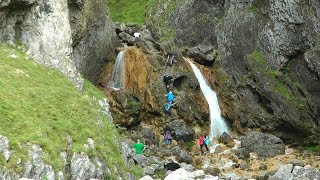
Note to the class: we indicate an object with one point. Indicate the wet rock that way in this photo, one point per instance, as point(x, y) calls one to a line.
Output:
point(265, 145)
point(203, 54)
point(226, 139)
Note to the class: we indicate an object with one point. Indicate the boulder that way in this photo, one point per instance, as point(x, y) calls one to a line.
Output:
point(265, 145)
point(141, 160)
point(226, 139)
point(184, 156)
point(305, 173)
point(149, 134)
point(181, 131)
point(127, 38)
point(178, 174)
point(284, 172)
point(202, 54)
point(296, 162)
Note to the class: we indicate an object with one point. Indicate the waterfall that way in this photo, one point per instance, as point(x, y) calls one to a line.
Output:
point(118, 73)
point(218, 124)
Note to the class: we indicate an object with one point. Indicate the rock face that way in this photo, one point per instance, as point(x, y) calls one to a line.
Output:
point(266, 70)
point(143, 95)
point(66, 35)
point(265, 145)
point(290, 172)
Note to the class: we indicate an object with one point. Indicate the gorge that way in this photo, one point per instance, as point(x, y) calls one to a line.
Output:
point(260, 57)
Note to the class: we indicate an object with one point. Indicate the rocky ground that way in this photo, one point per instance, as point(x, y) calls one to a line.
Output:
point(267, 158)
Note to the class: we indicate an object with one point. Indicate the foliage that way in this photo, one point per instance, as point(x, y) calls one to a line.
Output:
point(39, 105)
point(313, 148)
point(258, 56)
point(129, 11)
point(190, 145)
point(253, 9)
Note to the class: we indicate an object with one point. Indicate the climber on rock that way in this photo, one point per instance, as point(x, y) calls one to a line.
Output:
point(167, 111)
point(170, 59)
point(167, 135)
point(167, 79)
point(170, 97)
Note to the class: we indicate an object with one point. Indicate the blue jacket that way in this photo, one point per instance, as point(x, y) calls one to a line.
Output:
point(170, 97)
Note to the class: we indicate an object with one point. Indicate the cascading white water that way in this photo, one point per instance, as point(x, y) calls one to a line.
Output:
point(118, 73)
point(218, 124)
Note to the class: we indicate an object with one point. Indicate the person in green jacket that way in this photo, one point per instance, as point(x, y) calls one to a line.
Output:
point(139, 147)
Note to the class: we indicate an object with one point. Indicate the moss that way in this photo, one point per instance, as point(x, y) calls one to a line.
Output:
point(258, 56)
point(252, 9)
point(190, 145)
point(313, 148)
point(202, 19)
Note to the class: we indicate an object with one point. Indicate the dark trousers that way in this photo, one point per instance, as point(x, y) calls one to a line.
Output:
point(201, 145)
point(167, 114)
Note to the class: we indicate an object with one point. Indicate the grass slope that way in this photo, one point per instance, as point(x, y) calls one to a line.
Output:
point(129, 11)
point(39, 105)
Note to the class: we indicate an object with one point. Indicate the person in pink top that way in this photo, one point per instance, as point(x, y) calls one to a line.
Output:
point(201, 142)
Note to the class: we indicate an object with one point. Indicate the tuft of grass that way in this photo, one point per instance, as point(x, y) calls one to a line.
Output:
point(129, 11)
point(41, 106)
point(314, 148)
point(253, 9)
point(258, 56)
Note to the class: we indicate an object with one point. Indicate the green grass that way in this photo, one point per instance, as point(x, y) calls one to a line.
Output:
point(39, 105)
point(258, 56)
point(253, 9)
point(129, 11)
point(314, 148)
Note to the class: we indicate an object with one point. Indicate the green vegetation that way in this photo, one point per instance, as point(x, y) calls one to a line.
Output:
point(253, 9)
point(258, 56)
point(190, 145)
point(314, 148)
point(258, 62)
point(39, 105)
point(129, 11)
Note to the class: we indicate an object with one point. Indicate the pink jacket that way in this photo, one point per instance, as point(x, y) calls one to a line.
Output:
point(201, 140)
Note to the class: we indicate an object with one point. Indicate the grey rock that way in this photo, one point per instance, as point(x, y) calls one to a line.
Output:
point(226, 139)
point(82, 167)
point(305, 173)
point(181, 131)
point(187, 167)
point(4, 147)
point(296, 162)
point(184, 156)
point(127, 153)
point(284, 172)
point(127, 38)
point(149, 134)
point(203, 54)
point(141, 160)
point(265, 145)
point(243, 153)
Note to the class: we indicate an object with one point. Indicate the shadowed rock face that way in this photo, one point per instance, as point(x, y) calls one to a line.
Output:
point(266, 70)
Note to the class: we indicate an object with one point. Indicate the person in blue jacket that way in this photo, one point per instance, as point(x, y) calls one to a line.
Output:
point(170, 97)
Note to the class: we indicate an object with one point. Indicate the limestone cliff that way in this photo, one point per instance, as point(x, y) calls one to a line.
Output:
point(265, 59)
point(66, 35)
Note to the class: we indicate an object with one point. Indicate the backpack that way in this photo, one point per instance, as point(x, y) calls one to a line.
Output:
point(167, 107)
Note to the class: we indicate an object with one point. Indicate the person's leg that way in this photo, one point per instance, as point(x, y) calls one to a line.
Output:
point(206, 147)
point(201, 148)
